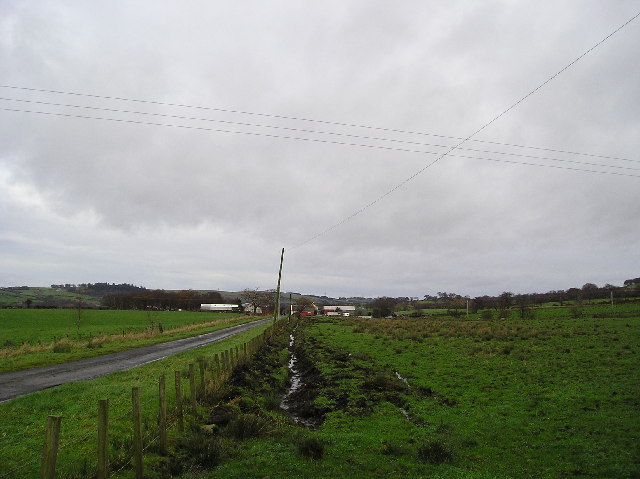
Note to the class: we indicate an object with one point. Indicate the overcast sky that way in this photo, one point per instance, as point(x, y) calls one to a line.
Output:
point(194, 206)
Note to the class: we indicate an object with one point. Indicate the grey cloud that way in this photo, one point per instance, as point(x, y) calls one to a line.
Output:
point(469, 225)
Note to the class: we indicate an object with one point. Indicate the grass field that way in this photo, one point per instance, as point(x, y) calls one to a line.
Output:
point(550, 397)
point(28, 336)
point(482, 399)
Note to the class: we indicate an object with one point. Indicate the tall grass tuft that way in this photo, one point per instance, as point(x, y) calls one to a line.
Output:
point(434, 452)
point(311, 447)
point(63, 345)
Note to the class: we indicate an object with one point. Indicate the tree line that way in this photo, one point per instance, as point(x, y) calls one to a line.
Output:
point(98, 289)
point(161, 300)
point(386, 306)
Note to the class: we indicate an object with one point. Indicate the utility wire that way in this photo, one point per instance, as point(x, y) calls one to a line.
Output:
point(361, 145)
point(484, 126)
point(301, 130)
point(325, 122)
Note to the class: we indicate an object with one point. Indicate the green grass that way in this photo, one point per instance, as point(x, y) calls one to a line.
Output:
point(42, 327)
point(18, 326)
point(549, 397)
point(22, 419)
point(538, 398)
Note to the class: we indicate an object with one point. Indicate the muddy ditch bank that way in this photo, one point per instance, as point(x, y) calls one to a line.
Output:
point(306, 378)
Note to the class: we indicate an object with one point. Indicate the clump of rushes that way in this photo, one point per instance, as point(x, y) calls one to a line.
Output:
point(311, 447)
point(246, 426)
point(62, 345)
point(434, 452)
point(96, 342)
point(392, 449)
point(198, 449)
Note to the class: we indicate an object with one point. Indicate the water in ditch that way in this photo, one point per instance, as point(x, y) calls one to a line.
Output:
point(289, 403)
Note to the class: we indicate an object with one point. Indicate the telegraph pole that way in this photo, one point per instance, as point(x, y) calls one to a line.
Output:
point(276, 313)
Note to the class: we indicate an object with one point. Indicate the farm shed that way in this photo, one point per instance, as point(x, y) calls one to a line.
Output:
point(338, 310)
point(219, 307)
point(251, 309)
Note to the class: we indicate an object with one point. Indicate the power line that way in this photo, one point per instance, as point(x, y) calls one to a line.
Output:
point(484, 126)
point(325, 122)
point(301, 130)
point(317, 140)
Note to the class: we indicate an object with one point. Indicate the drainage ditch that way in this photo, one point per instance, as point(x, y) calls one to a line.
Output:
point(298, 401)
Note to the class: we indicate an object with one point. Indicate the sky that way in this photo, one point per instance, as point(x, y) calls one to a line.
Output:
point(181, 145)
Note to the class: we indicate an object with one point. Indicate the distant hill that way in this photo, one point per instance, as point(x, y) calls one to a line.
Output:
point(40, 297)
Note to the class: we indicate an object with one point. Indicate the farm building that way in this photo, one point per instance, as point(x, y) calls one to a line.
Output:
point(309, 310)
point(219, 307)
point(251, 309)
point(339, 310)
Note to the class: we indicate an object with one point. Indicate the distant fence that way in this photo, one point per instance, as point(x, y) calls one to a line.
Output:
point(203, 377)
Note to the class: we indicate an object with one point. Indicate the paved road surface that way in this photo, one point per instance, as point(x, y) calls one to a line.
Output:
point(24, 382)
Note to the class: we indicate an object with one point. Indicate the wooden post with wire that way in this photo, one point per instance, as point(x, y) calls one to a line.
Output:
point(162, 414)
point(137, 433)
point(202, 377)
point(103, 439)
point(179, 401)
point(51, 442)
point(192, 387)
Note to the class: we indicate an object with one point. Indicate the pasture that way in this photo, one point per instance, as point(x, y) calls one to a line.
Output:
point(465, 399)
point(40, 337)
point(548, 397)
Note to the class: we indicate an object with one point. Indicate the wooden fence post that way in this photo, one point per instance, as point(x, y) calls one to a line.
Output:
point(225, 363)
point(162, 415)
point(137, 433)
point(218, 371)
point(192, 387)
point(51, 442)
point(202, 379)
point(103, 439)
point(179, 401)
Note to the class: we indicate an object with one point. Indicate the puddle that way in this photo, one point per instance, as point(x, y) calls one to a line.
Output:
point(404, 412)
point(404, 380)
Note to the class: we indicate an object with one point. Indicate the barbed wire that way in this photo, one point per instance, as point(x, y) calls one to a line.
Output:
point(32, 460)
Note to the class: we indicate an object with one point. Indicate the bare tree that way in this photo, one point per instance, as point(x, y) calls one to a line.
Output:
point(253, 297)
point(78, 314)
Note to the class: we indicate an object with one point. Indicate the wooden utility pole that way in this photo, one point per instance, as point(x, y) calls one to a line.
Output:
point(276, 313)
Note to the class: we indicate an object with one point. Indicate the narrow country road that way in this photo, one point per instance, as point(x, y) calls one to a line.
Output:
point(19, 383)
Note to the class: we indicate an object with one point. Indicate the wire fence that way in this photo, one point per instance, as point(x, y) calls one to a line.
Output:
point(77, 456)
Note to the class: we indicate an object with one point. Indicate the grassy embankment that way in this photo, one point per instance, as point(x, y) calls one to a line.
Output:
point(42, 337)
point(22, 419)
point(551, 397)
